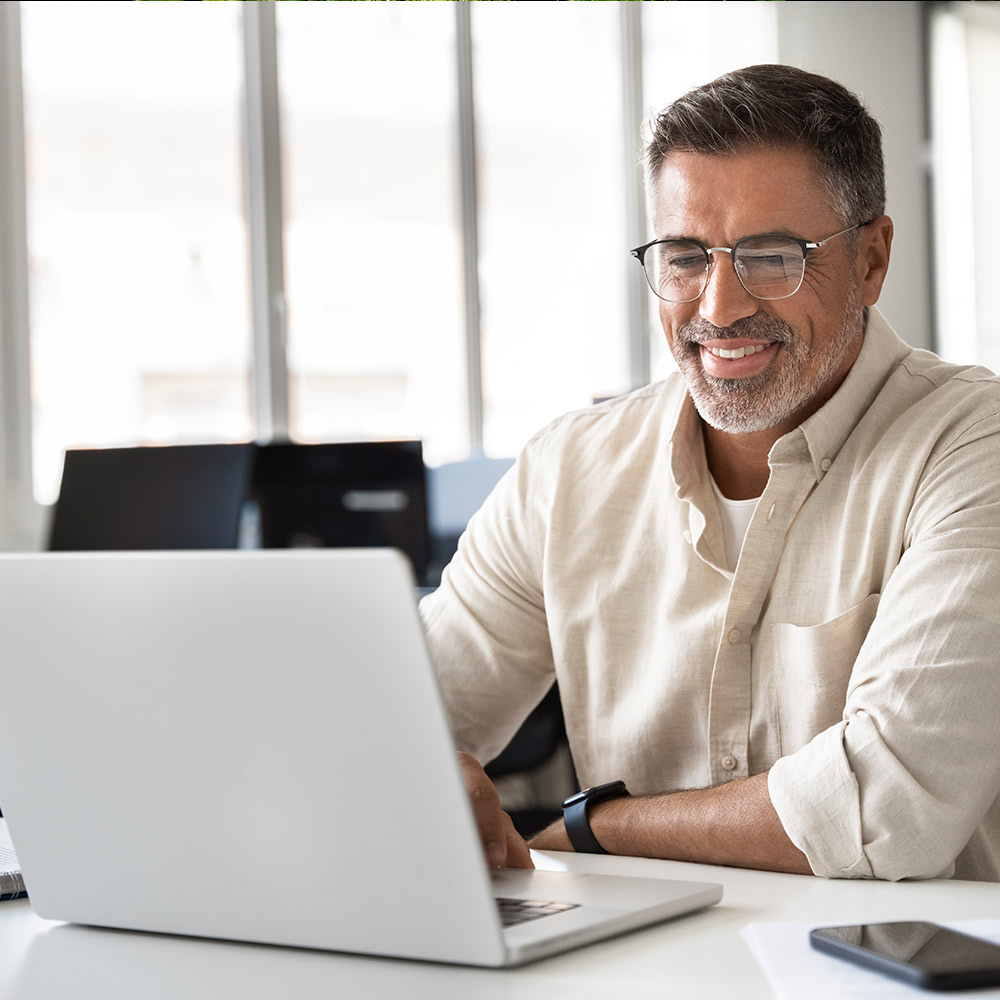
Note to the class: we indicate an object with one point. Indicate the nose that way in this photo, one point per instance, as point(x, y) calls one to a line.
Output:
point(725, 300)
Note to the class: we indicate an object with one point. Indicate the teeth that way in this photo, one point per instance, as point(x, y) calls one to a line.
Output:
point(739, 352)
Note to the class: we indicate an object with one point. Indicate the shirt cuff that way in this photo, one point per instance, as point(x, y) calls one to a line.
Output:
point(818, 802)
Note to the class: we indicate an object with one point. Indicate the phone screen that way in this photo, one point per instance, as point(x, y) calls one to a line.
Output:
point(926, 954)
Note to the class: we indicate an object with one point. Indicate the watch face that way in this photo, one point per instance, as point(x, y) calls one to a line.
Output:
point(597, 793)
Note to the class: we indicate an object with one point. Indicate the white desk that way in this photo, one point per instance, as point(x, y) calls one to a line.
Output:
point(695, 957)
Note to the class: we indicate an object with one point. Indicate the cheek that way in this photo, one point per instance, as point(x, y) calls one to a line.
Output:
point(666, 321)
point(671, 319)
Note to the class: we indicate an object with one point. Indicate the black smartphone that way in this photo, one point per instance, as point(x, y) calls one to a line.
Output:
point(925, 954)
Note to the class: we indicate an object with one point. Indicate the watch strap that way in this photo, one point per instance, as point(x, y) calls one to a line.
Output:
point(576, 815)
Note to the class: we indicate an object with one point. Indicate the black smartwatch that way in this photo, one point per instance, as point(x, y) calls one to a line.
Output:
point(576, 820)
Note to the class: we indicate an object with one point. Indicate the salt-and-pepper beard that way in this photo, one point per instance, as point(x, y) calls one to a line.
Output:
point(761, 401)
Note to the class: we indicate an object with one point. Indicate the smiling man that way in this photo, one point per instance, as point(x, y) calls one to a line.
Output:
point(767, 585)
point(766, 341)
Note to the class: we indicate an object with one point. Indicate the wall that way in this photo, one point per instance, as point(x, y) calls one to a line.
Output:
point(877, 49)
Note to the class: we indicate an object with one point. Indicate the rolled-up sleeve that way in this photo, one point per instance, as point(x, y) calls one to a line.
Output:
point(898, 788)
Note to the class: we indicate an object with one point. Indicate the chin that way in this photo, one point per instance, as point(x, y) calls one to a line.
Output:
point(741, 419)
point(743, 406)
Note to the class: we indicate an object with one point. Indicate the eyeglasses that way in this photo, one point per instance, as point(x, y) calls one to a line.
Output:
point(768, 266)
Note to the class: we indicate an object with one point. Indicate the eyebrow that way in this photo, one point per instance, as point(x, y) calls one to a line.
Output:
point(686, 239)
point(767, 232)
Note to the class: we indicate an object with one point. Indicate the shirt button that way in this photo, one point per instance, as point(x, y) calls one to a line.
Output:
point(728, 762)
point(825, 464)
point(734, 636)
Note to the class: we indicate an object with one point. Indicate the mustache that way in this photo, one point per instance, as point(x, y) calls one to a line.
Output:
point(698, 331)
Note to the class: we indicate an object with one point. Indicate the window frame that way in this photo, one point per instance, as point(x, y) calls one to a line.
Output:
point(22, 519)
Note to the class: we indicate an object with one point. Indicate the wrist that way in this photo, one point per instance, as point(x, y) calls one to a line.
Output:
point(576, 815)
point(552, 838)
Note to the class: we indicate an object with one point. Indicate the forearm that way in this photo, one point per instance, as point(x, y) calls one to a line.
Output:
point(732, 824)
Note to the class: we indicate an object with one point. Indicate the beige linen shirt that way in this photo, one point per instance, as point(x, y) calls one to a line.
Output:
point(854, 652)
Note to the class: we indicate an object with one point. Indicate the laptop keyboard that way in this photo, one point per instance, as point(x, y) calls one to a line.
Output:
point(517, 911)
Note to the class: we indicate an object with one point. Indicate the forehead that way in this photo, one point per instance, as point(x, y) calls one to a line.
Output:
point(726, 197)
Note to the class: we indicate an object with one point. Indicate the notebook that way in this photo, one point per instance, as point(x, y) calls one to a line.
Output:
point(11, 882)
point(252, 746)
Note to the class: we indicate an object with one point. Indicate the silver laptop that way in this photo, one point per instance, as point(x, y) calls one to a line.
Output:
point(251, 746)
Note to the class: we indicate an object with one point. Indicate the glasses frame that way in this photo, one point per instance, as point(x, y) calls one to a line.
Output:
point(640, 255)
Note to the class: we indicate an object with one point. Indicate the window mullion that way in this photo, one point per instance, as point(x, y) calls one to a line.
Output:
point(16, 497)
point(264, 222)
point(470, 224)
point(637, 296)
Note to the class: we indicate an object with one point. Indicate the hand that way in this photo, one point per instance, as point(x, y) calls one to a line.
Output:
point(502, 844)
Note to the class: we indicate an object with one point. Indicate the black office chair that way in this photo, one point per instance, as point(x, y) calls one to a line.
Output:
point(541, 737)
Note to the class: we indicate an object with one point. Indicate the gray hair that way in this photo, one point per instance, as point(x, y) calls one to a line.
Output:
point(773, 106)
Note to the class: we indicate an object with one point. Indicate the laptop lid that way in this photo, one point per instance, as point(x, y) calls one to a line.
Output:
point(248, 745)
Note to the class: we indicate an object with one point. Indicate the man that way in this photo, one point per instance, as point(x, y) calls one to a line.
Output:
point(768, 586)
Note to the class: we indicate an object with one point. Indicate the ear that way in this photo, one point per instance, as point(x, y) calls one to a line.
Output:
point(873, 258)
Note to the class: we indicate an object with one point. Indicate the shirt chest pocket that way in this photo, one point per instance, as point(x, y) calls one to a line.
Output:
point(806, 670)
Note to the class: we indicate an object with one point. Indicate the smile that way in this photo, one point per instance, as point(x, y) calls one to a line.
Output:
point(739, 358)
point(738, 352)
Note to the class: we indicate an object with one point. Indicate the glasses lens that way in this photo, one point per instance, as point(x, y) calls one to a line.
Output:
point(676, 270)
point(770, 267)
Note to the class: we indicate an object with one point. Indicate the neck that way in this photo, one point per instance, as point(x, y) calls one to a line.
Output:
point(738, 462)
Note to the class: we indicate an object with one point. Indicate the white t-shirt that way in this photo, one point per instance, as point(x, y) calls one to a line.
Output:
point(736, 515)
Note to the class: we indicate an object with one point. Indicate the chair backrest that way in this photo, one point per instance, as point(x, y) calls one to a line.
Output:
point(455, 491)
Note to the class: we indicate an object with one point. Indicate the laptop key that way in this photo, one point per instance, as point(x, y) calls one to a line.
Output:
point(517, 911)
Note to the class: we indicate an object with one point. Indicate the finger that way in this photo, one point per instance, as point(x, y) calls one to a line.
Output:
point(489, 817)
point(517, 853)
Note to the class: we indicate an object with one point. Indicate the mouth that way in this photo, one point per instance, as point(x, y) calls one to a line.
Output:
point(737, 352)
point(736, 358)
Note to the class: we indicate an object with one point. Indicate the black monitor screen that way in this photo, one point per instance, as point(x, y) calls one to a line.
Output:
point(370, 493)
point(181, 497)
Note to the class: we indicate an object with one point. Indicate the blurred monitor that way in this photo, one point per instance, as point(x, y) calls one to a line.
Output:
point(245, 495)
point(364, 494)
point(177, 497)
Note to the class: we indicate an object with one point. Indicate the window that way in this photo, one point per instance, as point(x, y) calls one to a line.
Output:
point(373, 257)
point(140, 325)
point(136, 238)
point(553, 251)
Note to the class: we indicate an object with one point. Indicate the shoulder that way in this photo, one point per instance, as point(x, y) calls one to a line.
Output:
point(921, 393)
point(944, 398)
point(934, 434)
point(937, 373)
point(596, 452)
point(645, 417)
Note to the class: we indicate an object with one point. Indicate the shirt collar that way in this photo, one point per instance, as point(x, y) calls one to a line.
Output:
point(829, 427)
